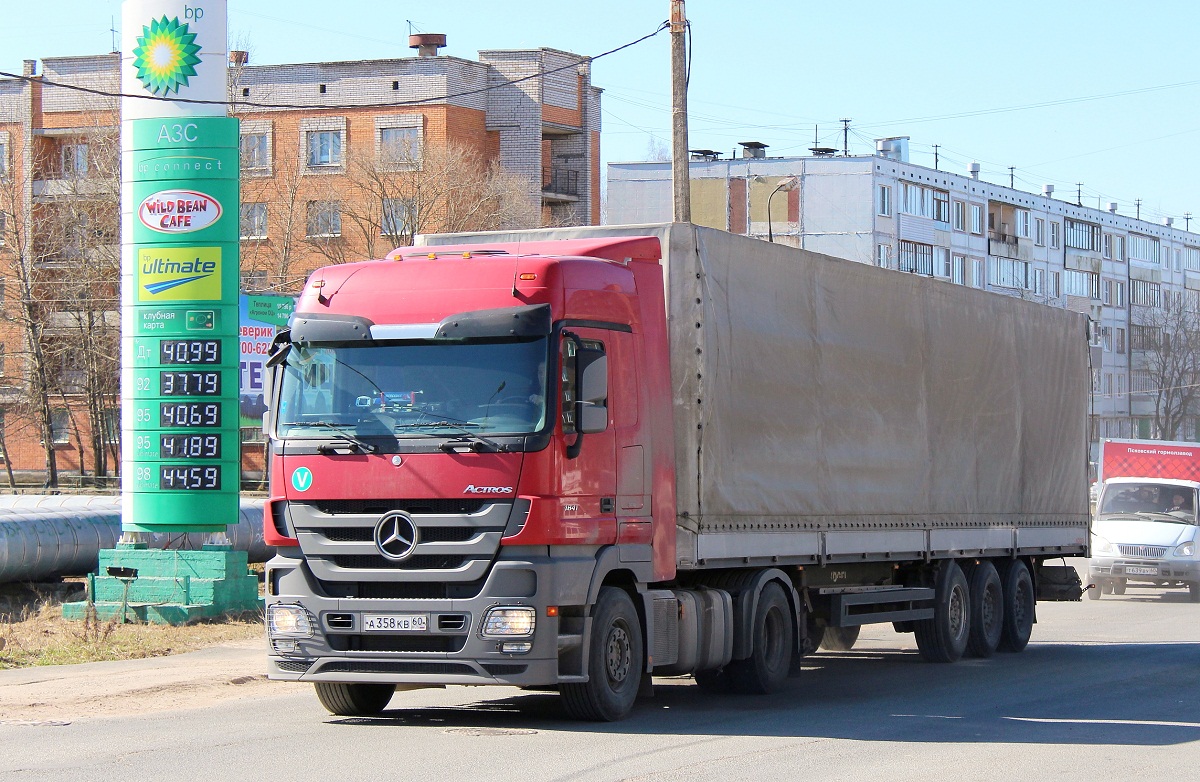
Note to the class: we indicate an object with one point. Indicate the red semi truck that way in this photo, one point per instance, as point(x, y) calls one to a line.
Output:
point(578, 458)
point(1145, 531)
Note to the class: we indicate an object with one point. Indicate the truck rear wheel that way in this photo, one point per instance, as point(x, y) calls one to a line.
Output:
point(943, 639)
point(354, 700)
point(840, 639)
point(773, 637)
point(1018, 607)
point(987, 610)
point(615, 662)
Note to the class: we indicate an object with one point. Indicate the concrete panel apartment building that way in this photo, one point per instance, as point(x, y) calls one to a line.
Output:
point(1132, 277)
point(340, 161)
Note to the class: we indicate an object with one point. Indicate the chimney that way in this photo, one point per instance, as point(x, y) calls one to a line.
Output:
point(1112, 206)
point(427, 44)
point(974, 169)
point(1048, 191)
point(753, 149)
point(1168, 221)
point(238, 57)
point(29, 68)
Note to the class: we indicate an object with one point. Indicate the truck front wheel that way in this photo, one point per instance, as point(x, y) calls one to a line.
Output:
point(354, 700)
point(615, 662)
point(943, 639)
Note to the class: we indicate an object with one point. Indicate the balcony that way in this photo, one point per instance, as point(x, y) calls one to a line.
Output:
point(1003, 245)
point(560, 185)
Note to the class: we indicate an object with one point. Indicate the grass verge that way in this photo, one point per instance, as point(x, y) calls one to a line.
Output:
point(33, 632)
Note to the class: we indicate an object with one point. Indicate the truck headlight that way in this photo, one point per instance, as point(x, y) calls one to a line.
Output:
point(1102, 546)
point(1186, 549)
point(289, 620)
point(503, 621)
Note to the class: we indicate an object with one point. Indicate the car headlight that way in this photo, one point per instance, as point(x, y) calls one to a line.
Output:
point(1186, 549)
point(289, 620)
point(1102, 546)
point(508, 621)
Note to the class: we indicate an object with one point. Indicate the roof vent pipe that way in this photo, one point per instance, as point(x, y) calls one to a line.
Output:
point(974, 169)
point(1112, 206)
point(1048, 191)
point(427, 44)
point(1168, 221)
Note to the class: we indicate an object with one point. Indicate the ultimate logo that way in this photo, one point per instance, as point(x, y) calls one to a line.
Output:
point(165, 56)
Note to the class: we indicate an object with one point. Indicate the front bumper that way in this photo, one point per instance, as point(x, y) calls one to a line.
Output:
point(1135, 569)
point(451, 651)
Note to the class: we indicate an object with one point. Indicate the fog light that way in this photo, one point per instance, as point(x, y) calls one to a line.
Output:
point(284, 645)
point(508, 620)
point(289, 620)
point(516, 647)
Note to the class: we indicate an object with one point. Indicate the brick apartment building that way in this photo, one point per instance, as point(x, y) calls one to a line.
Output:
point(340, 161)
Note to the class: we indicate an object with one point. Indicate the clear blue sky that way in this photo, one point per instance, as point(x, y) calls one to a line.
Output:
point(1105, 93)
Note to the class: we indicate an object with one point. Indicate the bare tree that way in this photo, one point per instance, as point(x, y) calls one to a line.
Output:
point(1165, 346)
point(276, 261)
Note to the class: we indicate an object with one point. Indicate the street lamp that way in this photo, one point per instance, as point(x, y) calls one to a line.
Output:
point(788, 184)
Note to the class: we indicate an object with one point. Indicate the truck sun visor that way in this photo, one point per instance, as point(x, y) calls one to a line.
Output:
point(531, 321)
point(330, 328)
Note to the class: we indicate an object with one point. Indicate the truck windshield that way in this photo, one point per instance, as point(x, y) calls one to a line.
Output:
point(414, 389)
point(1178, 501)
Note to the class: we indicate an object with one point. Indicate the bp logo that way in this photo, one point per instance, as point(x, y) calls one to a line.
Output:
point(165, 56)
point(302, 478)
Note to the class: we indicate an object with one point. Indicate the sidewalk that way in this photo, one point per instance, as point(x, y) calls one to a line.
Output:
point(71, 692)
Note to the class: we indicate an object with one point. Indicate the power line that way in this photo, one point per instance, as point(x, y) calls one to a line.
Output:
point(259, 105)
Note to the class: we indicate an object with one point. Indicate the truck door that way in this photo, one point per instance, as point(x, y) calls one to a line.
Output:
point(588, 476)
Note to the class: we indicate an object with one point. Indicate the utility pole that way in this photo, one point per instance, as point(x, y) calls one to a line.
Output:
point(1012, 177)
point(845, 137)
point(1137, 204)
point(935, 157)
point(1187, 221)
point(680, 170)
point(1079, 194)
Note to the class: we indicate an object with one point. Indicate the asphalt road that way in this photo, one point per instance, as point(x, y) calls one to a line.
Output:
point(1108, 690)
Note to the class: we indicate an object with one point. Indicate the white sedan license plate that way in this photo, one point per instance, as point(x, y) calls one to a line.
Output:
point(1133, 570)
point(396, 623)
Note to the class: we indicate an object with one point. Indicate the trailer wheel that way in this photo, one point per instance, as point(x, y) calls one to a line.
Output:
point(354, 700)
point(615, 662)
point(840, 639)
point(1018, 607)
point(774, 637)
point(987, 610)
point(943, 639)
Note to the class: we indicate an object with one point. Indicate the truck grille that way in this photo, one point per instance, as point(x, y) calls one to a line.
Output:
point(365, 666)
point(1146, 552)
point(397, 643)
point(456, 540)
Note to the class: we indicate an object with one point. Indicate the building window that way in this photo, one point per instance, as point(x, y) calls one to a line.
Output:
point(112, 427)
point(1191, 258)
point(1083, 236)
point(1143, 337)
point(941, 206)
point(976, 273)
point(1038, 282)
point(400, 145)
point(960, 216)
point(976, 219)
point(1143, 293)
point(959, 272)
point(324, 148)
point(915, 258)
point(1083, 284)
point(254, 152)
point(1023, 229)
point(3, 159)
point(1054, 287)
point(60, 426)
point(324, 219)
point(1054, 233)
point(1118, 294)
point(1, 358)
point(1120, 340)
point(1007, 273)
point(883, 256)
point(884, 200)
point(397, 217)
point(253, 224)
point(3, 227)
point(1143, 248)
point(1039, 232)
point(74, 161)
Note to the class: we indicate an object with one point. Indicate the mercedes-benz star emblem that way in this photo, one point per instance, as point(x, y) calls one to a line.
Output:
point(396, 536)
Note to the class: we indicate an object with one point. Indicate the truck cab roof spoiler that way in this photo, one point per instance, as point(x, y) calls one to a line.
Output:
point(529, 321)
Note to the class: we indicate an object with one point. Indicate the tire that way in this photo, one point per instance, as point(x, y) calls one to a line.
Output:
point(943, 639)
point(1118, 587)
point(354, 700)
point(1194, 592)
point(840, 639)
point(1107, 586)
point(987, 610)
point(615, 662)
point(1018, 607)
point(774, 639)
point(1096, 592)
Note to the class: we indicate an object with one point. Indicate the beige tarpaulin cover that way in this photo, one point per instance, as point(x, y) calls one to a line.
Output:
point(820, 394)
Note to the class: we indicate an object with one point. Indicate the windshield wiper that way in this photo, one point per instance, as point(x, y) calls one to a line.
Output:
point(477, 441)
point(351, 441)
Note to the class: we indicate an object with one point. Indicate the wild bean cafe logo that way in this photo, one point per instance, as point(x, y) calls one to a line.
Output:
point(178, 274)
point(165, 57)
point(178, 211)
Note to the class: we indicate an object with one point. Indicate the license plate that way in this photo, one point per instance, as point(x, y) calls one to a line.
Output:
point(1133, 570)
point(396, 623)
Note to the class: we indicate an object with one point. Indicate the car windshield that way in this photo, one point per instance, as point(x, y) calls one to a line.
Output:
point(1152, 498)
point(414, 389)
